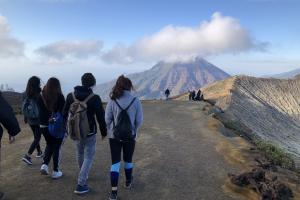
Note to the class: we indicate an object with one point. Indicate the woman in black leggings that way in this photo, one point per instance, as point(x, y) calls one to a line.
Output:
point(51, 101)
point(31, 116)
point(122, 101)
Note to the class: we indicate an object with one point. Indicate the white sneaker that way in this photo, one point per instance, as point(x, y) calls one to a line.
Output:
point(57, 175)
point(44, 170)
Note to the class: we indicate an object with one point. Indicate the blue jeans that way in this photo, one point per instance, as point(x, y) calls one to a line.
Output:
point(85, 155)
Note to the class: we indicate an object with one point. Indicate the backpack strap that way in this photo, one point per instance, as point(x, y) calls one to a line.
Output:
point(127, 106)
point(88, 98)
point(130, 103)
point(74, 97)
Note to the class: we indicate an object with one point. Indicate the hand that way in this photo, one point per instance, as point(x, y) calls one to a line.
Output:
point(25, 121)
point(11, 139)
point(103, 137)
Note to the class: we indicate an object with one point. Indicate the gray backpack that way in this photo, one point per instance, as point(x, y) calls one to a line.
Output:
point(78, 123)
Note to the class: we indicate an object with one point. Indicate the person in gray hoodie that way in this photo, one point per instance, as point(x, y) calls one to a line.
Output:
point(122, 99)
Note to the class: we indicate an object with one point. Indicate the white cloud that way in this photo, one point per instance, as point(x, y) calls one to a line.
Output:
point(222, 34)
point(64, 50)
point(9, 46)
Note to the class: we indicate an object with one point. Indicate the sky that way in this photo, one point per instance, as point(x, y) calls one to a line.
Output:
point(65, 38)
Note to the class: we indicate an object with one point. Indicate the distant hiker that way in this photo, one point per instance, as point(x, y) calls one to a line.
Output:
point(81, 107)
point(52, 125)
point(8, 121)
point(193, 94)
point(190, 95)
point(123, 117)
point(167, 93)
point(199, 96)
point(30, 111)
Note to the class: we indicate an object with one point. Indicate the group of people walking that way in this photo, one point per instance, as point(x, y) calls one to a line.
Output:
point(195, 97)
point(48, 113)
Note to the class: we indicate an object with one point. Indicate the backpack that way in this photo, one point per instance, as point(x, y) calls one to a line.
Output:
point(30, 110)
point(123, 129)
point(78, 123)
point(56, 125)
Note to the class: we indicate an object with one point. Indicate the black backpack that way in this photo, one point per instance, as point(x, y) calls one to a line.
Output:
point(123, 129)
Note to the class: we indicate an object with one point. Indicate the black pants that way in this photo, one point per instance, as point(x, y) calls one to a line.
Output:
point(52, 148)
point(36, 141)
point(116, 149)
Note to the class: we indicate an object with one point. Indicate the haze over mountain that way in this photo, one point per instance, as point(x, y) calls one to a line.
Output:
point(179, 77)
point(285, 75)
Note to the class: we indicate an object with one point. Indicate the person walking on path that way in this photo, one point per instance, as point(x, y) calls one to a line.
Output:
point(31, 116)
point(51, 104)
point(123, 117)
point(167, 93)
point(83, 100)
point(9, 122)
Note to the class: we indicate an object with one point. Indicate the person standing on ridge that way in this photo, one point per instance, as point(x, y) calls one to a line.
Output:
point(30, 111)
point(81, 107)
point(167, 93)
point(123, 117)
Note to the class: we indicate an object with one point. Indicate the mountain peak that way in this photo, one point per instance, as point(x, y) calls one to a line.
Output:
point(179, 76)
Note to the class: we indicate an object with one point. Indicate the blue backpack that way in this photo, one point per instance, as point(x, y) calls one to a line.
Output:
point(57, 126)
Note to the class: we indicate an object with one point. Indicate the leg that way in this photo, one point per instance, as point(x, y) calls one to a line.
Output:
point(115, 149)
point(89, 152)
point(80, 153)
point(128, 150)
point(1, 134)
point(37, 137)
point(56, 149)
point(49, 148)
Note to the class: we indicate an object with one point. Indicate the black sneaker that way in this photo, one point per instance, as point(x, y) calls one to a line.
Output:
point(27, 159)
point(39, 154)
point(113, 196)
point(128, 184)
point(82, 189)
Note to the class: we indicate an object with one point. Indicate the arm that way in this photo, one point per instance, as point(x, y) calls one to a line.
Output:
point(109, 114)
point(100, 114)
point(139, 115)
point(67, 105)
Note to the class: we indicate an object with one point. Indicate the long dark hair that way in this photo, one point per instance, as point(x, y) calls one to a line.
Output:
point(123, 83)
point(33, 87)
point(51, 93)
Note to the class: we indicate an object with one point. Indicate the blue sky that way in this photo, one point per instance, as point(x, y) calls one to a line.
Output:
point(43, 31)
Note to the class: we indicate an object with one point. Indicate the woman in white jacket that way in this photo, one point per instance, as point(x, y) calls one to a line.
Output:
point(121, 138)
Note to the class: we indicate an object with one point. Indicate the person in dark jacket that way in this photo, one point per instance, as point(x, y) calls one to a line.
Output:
point(167, 93)
point(193, 94)
point(8, 121)
point(198, 96)
point(51, 101)
point(86, 148)
point(31, 95)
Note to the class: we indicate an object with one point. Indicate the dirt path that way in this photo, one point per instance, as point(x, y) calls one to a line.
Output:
point(179, 155)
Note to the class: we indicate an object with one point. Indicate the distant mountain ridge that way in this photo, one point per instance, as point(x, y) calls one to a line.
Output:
point(286, 75)
point(179, 77)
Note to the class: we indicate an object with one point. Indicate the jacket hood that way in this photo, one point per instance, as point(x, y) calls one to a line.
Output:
point(82, 92)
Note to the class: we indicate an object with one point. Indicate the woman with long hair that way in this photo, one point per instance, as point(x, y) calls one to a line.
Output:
point(123, 117)
point(31, 116)
point(51, 104)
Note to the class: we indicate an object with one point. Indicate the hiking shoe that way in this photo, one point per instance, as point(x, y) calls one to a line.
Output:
point(44, 170)
point(39, 154)
point(128, 184)
point(113, 196)
point(27, 159)
point(57, 174)
point(82, 189)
